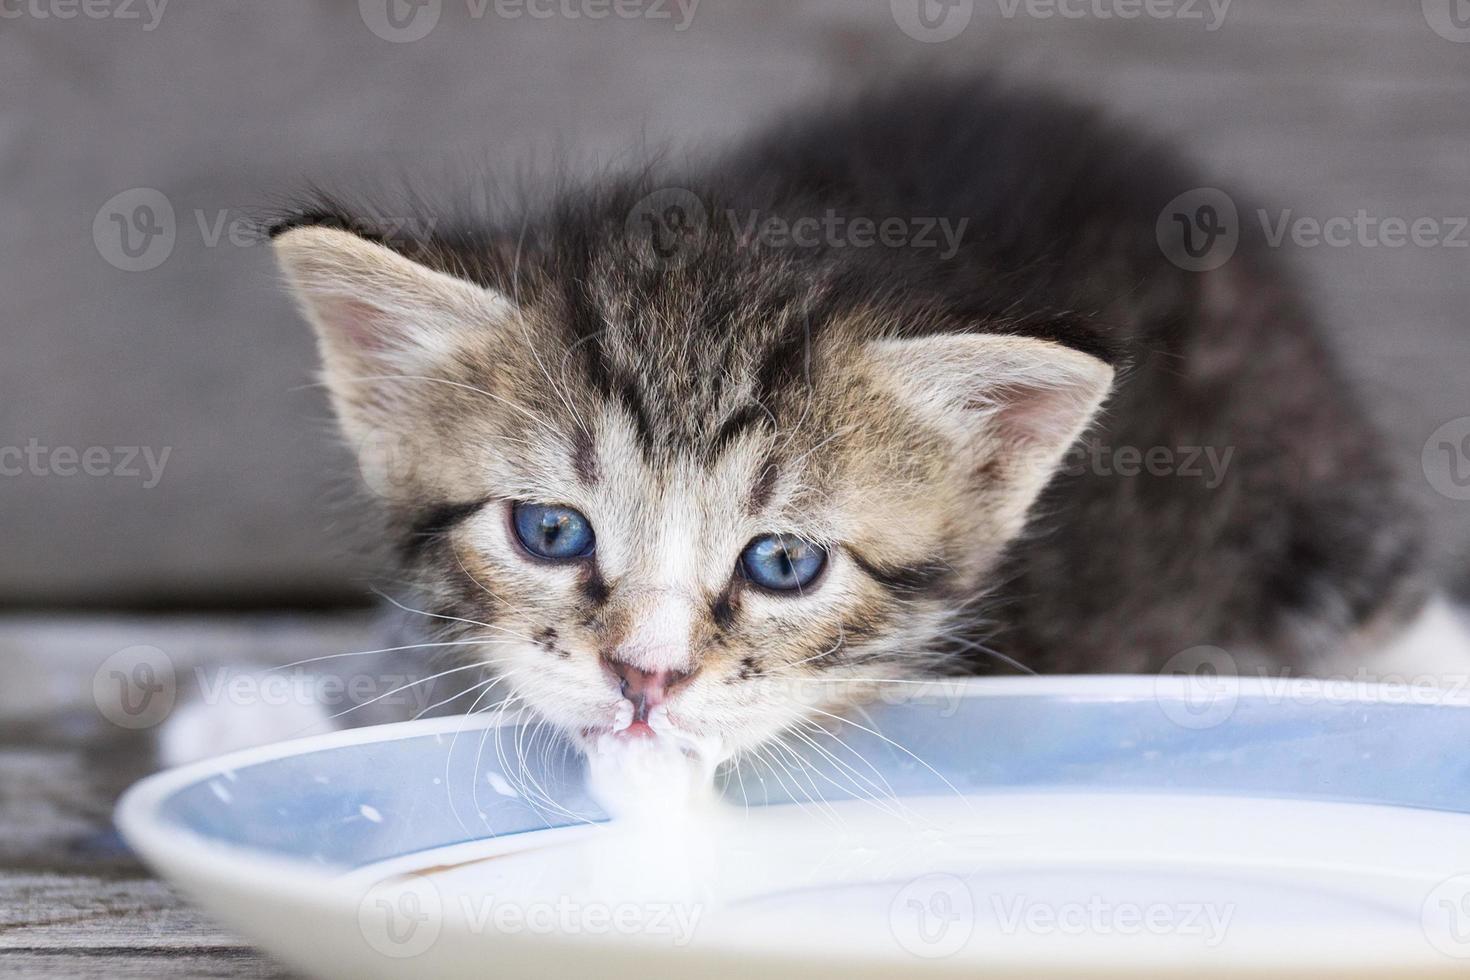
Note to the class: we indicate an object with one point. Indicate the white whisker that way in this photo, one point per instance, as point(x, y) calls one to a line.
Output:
point(901, 748)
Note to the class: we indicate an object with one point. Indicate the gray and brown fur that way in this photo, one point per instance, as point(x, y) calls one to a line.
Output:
point(730, 387)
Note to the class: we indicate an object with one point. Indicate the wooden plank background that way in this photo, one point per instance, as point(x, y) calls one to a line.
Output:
point(1322, 106)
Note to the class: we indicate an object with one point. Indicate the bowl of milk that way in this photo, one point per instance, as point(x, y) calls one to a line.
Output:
point(1088, 826)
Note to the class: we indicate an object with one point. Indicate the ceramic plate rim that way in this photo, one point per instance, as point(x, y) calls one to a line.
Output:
point(160, 843)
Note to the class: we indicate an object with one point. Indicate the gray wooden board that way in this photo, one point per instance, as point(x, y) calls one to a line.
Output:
point(74, 902)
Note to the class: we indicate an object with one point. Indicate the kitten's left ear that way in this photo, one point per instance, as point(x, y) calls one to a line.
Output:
point(1017, 401)
point(386, 327)
point(375, 310)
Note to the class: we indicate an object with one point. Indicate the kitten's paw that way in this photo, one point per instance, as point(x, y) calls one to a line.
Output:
point(1434, 648)
point(199, 729)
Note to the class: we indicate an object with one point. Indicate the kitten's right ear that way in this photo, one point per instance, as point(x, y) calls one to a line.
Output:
point(376, 312)
point(1016, 401)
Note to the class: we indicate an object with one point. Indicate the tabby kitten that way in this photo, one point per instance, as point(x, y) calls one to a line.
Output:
point(691, 450)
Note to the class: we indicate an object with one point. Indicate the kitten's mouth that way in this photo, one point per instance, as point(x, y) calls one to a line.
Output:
point(655, 729)
point(635, 730)
point(639, 729)
point(635, 721)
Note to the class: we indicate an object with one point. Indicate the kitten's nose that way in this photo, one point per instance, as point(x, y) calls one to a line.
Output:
point(647, 689)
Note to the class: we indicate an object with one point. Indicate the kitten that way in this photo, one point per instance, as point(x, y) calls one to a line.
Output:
point(690, 450)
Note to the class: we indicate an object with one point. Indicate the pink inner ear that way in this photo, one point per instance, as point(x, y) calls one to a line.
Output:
point(1027, 414)
point(358, 324)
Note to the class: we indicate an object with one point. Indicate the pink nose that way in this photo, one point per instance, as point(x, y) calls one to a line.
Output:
point(647, 689)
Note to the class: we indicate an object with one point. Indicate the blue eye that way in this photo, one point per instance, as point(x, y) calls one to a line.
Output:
point(782, 562)
point(548, 531)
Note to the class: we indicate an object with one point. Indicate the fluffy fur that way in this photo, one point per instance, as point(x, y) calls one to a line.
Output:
point(637, 351)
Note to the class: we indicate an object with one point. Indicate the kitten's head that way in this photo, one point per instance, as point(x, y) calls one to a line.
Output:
point(706, 496)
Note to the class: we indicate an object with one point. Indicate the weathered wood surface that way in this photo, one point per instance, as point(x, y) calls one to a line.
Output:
point(73, 901)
